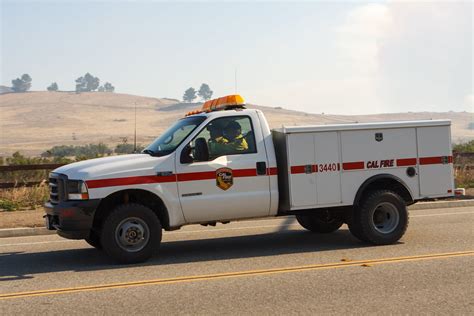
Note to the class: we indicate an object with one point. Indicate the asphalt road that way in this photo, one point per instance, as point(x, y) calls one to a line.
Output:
point(251, 267)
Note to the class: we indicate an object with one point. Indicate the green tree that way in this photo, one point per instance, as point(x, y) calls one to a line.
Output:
point(101, 89)
point(205, 92)
point(189, 95)
point(109, 87)
point(53, 87)
point(22, 84)
point(464, 147)
point(87, 83)
point(80, 84)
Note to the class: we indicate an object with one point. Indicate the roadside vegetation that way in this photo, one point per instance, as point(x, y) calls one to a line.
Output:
point(20, 197)
point(23, 198)
point(463, 174)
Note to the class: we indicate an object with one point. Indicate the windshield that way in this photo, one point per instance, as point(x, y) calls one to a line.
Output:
point(173, 136)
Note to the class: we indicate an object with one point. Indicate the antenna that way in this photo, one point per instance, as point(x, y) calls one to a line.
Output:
point(235, 80)
point(135, 137)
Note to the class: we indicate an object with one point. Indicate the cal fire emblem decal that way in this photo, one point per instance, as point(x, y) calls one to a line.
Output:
point(224, 179)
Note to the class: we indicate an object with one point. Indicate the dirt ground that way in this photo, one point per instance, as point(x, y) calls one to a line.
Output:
point(36, 121)
point(22, 219)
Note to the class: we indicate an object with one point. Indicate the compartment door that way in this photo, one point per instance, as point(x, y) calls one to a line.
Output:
point(302, 178)
point(328, 175)
point(435, 161)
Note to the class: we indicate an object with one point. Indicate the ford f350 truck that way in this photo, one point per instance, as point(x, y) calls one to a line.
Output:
point(200, 171)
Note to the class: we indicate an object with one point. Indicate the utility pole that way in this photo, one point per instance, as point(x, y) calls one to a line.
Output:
point(135, 137)
point(235, 80)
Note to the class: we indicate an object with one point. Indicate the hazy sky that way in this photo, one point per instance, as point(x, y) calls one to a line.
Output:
point(332, 57)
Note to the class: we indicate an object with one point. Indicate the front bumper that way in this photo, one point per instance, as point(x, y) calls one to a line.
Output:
point(71, 219)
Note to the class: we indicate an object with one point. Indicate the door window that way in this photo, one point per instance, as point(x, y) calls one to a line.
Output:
point(224, 136)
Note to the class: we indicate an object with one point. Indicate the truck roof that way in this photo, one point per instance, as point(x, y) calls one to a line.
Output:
point(360, 126)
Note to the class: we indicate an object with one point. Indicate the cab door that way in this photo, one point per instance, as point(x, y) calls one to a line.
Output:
point(231, 185)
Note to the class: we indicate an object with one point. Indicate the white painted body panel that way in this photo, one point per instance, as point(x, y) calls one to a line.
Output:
point(328, 184)
point(302, 185)
point(360, 145)
point(432, 142)
point(272, 162)
point(342, 157)
point(325, 149)
point(126, 166)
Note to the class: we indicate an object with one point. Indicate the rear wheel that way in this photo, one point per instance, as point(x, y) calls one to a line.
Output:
point(381, 219)
point(131, 233)
point(321, 222)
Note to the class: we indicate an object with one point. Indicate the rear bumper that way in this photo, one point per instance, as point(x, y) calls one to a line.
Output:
point(71, 219)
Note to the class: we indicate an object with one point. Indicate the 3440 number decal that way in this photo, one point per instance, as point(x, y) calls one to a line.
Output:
point(327, 167)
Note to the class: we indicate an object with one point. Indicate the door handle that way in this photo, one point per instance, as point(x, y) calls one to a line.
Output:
point(261, 168)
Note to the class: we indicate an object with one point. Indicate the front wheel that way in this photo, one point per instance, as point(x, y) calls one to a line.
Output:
point(94, 240)
point(131, 233)
point(322, 222)
point(381, 219)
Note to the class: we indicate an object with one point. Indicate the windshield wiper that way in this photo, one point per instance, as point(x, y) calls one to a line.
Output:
point(149, 152)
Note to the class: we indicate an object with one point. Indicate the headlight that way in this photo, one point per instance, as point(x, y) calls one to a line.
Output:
point(77, 190)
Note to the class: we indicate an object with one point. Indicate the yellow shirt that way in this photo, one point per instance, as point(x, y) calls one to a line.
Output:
point(222, 146)
point(238, 144)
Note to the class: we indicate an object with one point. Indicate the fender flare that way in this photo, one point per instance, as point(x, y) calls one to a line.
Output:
point(383, 176)
point(157, 196)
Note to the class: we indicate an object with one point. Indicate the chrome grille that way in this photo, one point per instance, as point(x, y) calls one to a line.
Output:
point(56, 188)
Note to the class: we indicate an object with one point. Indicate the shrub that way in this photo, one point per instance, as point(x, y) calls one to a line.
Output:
point(81, 152)
point(127, 149)
point(23, 197)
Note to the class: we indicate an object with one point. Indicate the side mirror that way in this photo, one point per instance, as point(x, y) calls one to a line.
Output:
point(186, 155)
point(201, 151)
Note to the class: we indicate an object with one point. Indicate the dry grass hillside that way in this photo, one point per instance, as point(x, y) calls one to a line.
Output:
point(35, 121)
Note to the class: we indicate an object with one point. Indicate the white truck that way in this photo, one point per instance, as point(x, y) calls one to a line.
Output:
point(223, 163)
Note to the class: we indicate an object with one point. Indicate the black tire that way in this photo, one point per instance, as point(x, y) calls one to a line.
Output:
point(131, 233)
point(381, 218)
point(94, 240)
point(353, 228)
point(322, 222)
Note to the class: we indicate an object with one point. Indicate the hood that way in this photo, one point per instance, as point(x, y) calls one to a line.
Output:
point(112, 167)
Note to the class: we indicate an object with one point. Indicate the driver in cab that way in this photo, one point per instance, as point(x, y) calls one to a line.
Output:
point(235, 141)
point(226, 140)
point(216, 139)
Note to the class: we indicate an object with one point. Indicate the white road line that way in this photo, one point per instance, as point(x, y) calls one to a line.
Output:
point(218, 230)
point(39, 242)
point(441, 214)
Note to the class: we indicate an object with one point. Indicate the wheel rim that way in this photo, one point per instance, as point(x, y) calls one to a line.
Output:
point(132, 234)
point(385, 218)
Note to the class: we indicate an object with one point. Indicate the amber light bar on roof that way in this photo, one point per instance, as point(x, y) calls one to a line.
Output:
point(222, 103)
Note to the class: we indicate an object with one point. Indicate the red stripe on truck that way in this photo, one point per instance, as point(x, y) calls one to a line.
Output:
point(209, 175)
point(240, 173)
point(94, 184)
point(298, 169)
point(272, 171)
point(435, 160)
point(355, 165)
point(191, 176)
point(406, 162)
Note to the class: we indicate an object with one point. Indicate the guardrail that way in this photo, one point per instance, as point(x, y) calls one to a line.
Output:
point(8, 185)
